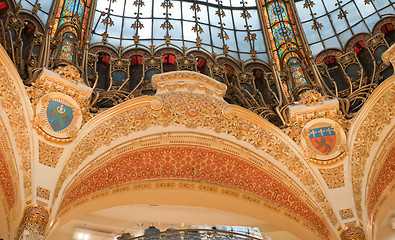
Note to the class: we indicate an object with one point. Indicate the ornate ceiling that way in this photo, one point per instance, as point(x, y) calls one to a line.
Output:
point(188, 140)
point(301, 143)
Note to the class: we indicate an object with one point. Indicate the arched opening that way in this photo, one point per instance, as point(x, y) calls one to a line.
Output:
point(3, 7)
point(103, 71)
point(169, 63)
point(202, 66)
point(27, 39)
point(389, 33)
point(365, 58)
point(336, 74)
point(266, 89)
point(167, 211)
point(135, 71)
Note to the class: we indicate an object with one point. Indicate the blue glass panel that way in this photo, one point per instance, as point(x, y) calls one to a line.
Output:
point(175, 10)
point(332, 43)
point(243, 45)
point(371, 21)
point(145, 33)
point(360, 27)
point(254, 20)
point(188, 33)
point(239, 24)
point(176, 33)
point(365, 9)
point(327, 30)
point(118, 7)
point(233, 54)
point(353, 17)
point(387, 10)
point(303, 13)
point(146, 10)
point(45, 6)
point(345, 36)
point(43, 16)
point(316, 48)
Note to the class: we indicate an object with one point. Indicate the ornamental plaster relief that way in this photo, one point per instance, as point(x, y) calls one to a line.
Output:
point(49, 154)
point(196, 164)
point(15, 104)
point(334, 177)
point(381, 180)
point(188, 104)
point(377, 114)
point(34, 223)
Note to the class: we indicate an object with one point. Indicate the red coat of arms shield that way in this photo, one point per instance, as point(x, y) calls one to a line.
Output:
point(323, 139)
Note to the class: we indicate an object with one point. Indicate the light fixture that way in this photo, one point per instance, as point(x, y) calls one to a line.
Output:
point(392, 220)
point(83, 236)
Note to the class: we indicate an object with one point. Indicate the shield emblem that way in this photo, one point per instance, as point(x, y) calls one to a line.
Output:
point(59, 115)
point(323, 139)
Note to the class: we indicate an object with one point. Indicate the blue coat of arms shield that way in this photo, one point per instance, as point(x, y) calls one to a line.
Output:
point(59, 115)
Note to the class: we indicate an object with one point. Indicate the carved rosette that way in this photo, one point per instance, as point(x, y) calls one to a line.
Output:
point(34, 223)
point(323, 140)
point(353, 233)
point(58, 117)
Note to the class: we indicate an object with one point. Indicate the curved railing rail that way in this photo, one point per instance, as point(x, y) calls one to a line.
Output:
point(193, 234)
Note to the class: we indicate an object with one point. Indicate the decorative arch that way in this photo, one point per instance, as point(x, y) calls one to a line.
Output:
point(386, 20)
point(326, 53)
point(186, 101)
point(193, 163)
point(380, 184)
point(15, 141)
point(365, 136)
point(360, 37)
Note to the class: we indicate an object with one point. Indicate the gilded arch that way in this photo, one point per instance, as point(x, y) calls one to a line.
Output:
point(192, 162)
point(186, 101)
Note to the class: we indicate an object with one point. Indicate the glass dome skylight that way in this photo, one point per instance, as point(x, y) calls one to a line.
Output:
point(329, 24)
point(37, 7)
point(228, 25)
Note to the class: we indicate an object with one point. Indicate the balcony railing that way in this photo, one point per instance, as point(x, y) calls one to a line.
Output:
point(193, 234)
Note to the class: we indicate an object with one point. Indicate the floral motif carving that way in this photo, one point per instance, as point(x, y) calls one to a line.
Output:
point(311, 97)
point(346, 213)
point(6, 182)
point(353, 233)
point(11, 103)
point(70, 72)
point(334, 177)
point(196, 164)
point(385, 177)
point(192, 110)
point(34, 222)
point(368, 132)
point(43, 193)
point(49, 155)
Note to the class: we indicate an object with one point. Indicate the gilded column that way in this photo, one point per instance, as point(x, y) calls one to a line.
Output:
point(34, 223)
